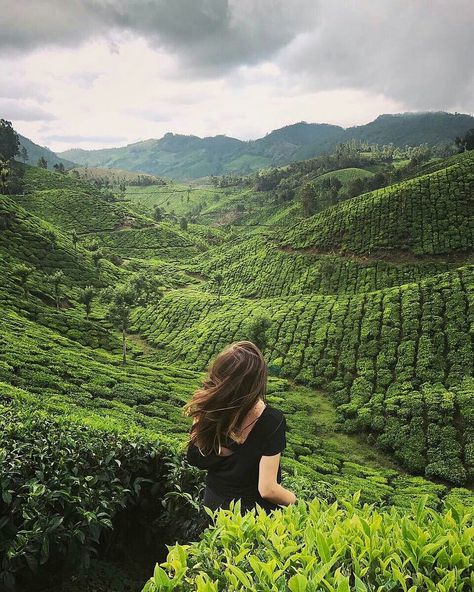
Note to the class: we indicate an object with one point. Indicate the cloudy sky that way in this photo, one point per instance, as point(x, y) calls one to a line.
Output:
point(98, 73)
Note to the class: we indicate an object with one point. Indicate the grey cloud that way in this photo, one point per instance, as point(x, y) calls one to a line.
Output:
point(147, 114)
point(14, 87)
point(18, 111)
point(209, 34)
point(413, 52)
point(416, 52)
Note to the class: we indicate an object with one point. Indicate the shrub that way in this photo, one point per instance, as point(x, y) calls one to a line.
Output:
point(320, 547)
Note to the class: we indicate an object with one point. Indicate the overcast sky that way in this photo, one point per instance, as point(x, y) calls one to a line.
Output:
point(98, 73)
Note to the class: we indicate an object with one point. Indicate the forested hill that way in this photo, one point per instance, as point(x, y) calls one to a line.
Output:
point(34, 152)
point(190, 157)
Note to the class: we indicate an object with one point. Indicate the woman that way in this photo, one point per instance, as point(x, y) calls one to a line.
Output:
point(236, 436)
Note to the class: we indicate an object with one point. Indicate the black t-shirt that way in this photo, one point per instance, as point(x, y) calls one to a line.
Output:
point(236, 475)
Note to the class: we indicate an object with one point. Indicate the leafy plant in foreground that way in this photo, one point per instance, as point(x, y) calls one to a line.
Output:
point(317, 547)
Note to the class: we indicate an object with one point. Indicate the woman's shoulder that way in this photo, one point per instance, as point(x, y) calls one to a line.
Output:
point(273, 418)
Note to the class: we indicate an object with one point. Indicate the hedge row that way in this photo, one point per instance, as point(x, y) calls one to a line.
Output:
point(255, 268)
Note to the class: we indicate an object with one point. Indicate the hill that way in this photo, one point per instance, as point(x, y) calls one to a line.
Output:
point(429, 214)
point(35, 152)
point(412, 129)
point(190, 157)
point(363, 311)
point(106, 176)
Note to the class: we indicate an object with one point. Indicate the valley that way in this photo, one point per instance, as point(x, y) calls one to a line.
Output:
point(359, 295)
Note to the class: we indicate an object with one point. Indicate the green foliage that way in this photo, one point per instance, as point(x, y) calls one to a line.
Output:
point(86, 296)
point(368, 351)
point(331, 548)
point(61, 486)
point(257, 268)
point(22, 273)
point(429, 214)
point(189, 157)
point(9, 141)
point(364, 313)
point(466, 142)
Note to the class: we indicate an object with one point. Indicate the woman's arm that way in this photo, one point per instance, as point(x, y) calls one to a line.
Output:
point(268, 486)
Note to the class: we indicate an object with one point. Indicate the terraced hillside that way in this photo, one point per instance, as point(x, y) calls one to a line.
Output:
point(377, 333)
point(430, 214)
point(370, 356)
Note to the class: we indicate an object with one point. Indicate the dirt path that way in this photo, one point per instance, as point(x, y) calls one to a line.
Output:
point(389, 256)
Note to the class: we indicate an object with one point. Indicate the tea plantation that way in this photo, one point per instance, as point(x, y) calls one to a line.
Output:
point(364, 312)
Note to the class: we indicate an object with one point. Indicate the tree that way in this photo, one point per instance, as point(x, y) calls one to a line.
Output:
point(308, 199)
point(466, 142)
point(86, 296)
point(147, 288)
point(6, 220)
point(285, 191)
point(4, 176)
point(42, 162)
point(96, 257)
point(74, 239)
point(217, 281)
point(59, 167)
point(120, 301)
point(22, 273)
point(183, 223)
point(9, 141)
point(257, 331)
point(157, 214)
point(52, 238)
point(24, 155)
point(356, 187)
point(333, 190)
point(57, 278)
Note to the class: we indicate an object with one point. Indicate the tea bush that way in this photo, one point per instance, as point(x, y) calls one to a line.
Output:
point(62, 484)
point(256, 268)
point(425, 215)
point(326, 548)
point(373, 352)
point(164, 241)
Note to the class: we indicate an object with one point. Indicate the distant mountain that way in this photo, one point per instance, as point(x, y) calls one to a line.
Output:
point(413, 129)
point(35, 152)
point(190, 157)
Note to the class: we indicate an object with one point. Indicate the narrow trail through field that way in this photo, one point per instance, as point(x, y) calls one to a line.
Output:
point(352, 446)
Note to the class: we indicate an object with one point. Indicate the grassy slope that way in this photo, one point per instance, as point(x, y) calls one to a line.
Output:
point(50, 375)
point(402, 324)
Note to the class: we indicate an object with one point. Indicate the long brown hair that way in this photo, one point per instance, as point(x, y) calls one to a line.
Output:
point(235, 381)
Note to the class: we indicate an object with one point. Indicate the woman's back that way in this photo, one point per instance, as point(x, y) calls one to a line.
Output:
point(236, 475)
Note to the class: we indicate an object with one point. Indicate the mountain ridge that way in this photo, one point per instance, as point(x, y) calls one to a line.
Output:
point(187, 157)
point(35, 152)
